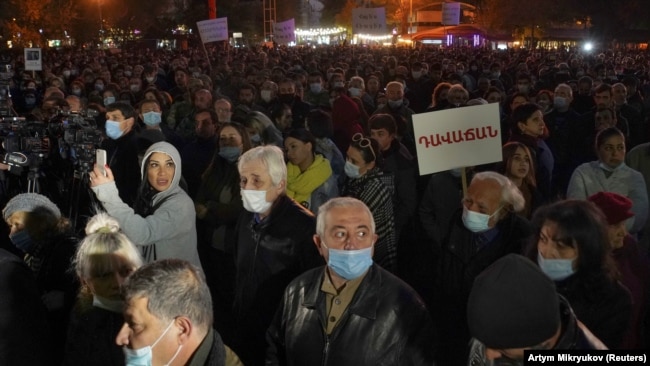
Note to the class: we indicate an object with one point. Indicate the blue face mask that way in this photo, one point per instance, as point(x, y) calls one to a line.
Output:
point(151, 118)
point(256, 139)
point(395, 103)
point(113, 130)
point(556, 269)
point(109, 101)
point(349, 264)
point(23, 241)
point(477, 222)
point(144, 356)
point(230, 153)
point(351, 170)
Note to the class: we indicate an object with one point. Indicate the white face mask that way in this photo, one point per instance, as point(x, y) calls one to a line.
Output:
point(351, 170)
point(144, 356)
point(255, 201)
point(265, 95)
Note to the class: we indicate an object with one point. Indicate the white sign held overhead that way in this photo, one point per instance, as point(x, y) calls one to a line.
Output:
point(459, 137)
point(213, 30)
point(284, 32)
point(450, 13)
point(33, 59)
point(369, 21)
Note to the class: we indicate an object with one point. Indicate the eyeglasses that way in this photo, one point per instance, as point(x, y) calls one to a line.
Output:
point(364, 142)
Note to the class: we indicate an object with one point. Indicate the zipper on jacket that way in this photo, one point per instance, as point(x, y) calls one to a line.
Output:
point(326, 350)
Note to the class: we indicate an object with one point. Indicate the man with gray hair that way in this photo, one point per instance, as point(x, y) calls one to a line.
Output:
point(168, 318)
point(351, 311)
point(486, 228)
point(272, 246)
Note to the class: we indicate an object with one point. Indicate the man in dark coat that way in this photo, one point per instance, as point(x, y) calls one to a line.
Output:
point(484, 230)
point(350, 312)
point(273, 246)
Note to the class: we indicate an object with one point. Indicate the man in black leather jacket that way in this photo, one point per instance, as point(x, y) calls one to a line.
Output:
point(514, 307)
point(350, 312)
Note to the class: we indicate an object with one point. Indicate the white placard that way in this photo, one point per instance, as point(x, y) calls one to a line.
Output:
point(33, 59)
point(450, 13)
point(458, 137)
point(284, 32)
point(213, 30)
point(369, 21)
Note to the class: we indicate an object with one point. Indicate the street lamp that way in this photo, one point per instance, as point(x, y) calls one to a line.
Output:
point(101, 23)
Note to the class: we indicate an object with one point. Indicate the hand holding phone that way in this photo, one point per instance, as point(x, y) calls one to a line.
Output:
point(100, 160)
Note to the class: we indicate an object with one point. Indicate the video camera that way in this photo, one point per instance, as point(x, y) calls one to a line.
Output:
point(78, 137)
point(25, 143)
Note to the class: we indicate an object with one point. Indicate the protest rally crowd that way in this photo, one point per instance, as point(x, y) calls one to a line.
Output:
point(264, 206)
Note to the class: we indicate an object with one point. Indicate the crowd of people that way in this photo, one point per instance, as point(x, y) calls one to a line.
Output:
point(264, 206)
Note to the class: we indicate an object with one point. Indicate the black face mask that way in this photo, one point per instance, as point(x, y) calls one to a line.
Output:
point(286, 98)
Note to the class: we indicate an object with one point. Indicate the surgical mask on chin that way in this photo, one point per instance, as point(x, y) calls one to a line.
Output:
point(556, 269)
point(23, 241)
point(144, 356)
point(395, 103)
point(606, 167)
point(151, 118)
point(113, 130)
point(349, 264)
point(255, 201)
point(265, 95)
point(230, 153)
point(351, 170)
point(477, 222)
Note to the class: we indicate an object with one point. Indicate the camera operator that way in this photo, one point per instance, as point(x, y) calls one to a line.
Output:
point(122, 149)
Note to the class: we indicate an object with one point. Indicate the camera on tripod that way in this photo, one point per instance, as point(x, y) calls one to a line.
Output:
point(79, 138)
point(25, 143)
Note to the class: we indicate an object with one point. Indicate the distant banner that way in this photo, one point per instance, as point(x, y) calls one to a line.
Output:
point(284, 32)
point(450, 13)
point(369, 21)
point(33, 59)
point(213, 30)
point(458, 137)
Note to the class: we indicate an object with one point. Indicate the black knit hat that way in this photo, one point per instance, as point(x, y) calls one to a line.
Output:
point(513, 304)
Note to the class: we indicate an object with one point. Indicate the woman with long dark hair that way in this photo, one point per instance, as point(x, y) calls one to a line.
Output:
point(571, 246)
point(162, 220)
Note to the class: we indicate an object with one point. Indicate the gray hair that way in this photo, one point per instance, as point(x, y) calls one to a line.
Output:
point(510, 194)
point(325, 208)
point(173, 287)
point(103, 238)
point(564, 85)
point(271, 157)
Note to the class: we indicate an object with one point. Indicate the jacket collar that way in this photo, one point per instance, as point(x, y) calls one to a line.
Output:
point(364, 303)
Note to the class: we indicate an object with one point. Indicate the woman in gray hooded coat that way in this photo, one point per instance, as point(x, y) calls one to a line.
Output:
point(162, 221)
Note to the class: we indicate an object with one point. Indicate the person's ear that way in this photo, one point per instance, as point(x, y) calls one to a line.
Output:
point(185, 328)
point(317, 241)
point(281, 186)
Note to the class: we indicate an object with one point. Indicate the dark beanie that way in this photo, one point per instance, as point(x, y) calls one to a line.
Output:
point(513, 304)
